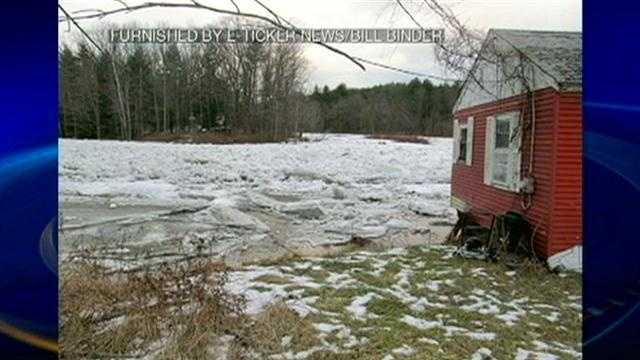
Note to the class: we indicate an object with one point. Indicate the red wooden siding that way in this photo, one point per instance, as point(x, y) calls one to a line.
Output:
point(485, 201)
point(566, 217)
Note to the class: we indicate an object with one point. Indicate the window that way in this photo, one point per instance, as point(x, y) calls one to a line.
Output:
point(503, 133)
point(502, 151)
point(502, 157)
point(463, 145)
point(463, 141)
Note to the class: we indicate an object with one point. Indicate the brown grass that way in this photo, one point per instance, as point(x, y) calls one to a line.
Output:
point(125, 314)
point(178, 311)
point(213, 138)
point(277, 322)
point(414, 139)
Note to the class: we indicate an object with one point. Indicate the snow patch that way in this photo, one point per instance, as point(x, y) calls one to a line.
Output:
point(482, 354)
point(358, 307)
point(404, 350)
point(420, 323)
point(532, 355)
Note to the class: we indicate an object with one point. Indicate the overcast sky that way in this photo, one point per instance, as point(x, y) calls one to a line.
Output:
point(330, 69)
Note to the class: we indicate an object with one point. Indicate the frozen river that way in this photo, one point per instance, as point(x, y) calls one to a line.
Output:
point(248, 202)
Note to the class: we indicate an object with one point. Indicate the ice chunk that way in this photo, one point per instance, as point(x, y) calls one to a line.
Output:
point(570, 259)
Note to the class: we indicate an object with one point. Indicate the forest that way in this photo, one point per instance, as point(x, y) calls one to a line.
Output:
point(135, 91)
point(417, 107)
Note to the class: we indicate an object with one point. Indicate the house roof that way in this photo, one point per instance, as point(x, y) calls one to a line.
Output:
point(558, 53)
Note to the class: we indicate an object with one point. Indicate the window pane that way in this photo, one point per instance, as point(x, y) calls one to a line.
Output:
point(462, 153)
point(500, 174)
point(501, 167)
point(502, 158)
point(503, 133)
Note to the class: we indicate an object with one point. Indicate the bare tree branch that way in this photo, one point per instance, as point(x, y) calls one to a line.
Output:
point(409, 14)
point(408, 72)
point(463, 49)
point(197, 5)
point(236, 6)
point(370, 62)
point(276, 16)
point(123, 3)
point(277, 21)
point(70, 18)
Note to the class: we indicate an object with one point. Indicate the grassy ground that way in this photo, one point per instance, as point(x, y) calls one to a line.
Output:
point(401, 304)
point(455, 307)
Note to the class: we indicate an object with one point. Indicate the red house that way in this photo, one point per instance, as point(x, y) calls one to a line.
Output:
point(518, 136)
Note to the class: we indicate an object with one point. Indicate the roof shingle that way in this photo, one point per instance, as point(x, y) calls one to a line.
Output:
point(559, 53)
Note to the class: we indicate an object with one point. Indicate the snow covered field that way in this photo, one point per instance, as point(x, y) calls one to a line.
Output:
point(254, 199)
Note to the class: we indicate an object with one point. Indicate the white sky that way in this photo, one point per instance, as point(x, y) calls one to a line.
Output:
point(331, 69)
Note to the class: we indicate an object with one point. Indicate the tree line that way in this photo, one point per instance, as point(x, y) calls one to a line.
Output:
point(416, 107)
point(128, 91)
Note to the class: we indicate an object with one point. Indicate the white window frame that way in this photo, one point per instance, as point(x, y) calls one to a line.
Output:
point(512, 152)
point(457, 131)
